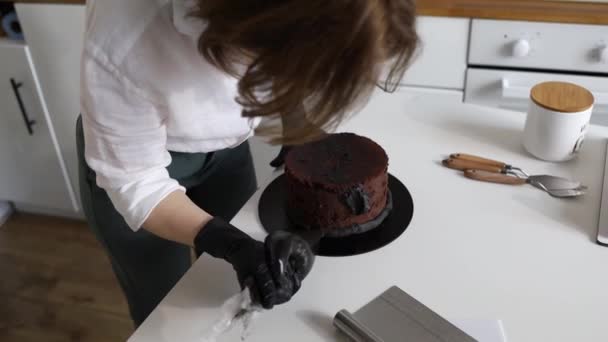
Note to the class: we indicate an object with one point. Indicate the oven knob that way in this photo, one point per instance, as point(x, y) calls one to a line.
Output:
point(521, 48)
point(603, 55)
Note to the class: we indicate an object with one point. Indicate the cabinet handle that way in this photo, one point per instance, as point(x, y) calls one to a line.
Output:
point(523, 93)
point(29, 124)
point(512, 92)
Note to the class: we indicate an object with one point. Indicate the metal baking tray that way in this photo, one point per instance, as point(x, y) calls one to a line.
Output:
point(395, 316)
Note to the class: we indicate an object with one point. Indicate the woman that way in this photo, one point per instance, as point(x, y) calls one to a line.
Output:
point(172, 90)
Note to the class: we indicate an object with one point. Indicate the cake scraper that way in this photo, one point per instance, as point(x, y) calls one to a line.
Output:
point(395, 316)
point(602, 231)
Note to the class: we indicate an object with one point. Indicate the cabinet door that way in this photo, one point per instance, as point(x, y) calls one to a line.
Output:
point(31, 172)
point(442, 58)
point(54, 35)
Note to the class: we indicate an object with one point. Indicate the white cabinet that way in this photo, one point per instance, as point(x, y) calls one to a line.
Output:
point(442, 58)
point(54, 34)
point(32, 173)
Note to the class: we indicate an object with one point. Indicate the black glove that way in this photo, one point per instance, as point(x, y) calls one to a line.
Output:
point(273, 270)
point(279, 160)
point(290, 259)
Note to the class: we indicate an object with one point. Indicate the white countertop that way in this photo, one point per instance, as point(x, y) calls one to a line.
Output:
point(472, 251)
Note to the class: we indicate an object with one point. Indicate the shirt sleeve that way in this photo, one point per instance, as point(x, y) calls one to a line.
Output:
point(125, 140)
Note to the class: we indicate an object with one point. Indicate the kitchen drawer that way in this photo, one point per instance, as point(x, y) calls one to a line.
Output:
point(534, 45)
point(442, 60)
point(511, 89)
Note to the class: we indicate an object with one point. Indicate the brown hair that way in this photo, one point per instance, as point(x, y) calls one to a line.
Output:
point(321, 55)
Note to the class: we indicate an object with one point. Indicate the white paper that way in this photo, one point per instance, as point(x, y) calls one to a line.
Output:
point(482, 330)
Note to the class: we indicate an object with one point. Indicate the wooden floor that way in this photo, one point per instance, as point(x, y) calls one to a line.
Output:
point(56, 284)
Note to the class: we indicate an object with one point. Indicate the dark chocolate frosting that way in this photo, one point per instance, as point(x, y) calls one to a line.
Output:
point(336, 182)
point(357, 200)
point(364, 227)
point(356, 228)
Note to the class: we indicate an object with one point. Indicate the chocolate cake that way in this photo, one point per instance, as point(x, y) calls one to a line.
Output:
point(338, 184)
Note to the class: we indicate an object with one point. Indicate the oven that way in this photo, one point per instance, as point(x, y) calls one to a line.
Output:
point(507, 58)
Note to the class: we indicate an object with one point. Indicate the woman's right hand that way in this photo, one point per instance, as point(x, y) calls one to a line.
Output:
point(273, 270)
point(290, 259)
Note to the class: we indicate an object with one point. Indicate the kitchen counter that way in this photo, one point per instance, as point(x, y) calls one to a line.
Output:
point(473, 250)
point(530, 10)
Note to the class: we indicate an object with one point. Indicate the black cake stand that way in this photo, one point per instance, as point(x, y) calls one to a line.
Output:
point(273, 216)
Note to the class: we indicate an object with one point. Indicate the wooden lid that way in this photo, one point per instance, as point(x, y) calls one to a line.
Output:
point(562, 97)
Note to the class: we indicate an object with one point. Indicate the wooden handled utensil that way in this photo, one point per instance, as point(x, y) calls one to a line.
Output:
point(463, 165)
point(493, 177)
point(545, 181)
point(481, 160)
point(500, 178)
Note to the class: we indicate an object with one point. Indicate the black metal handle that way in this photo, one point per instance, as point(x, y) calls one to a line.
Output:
point(29, 124)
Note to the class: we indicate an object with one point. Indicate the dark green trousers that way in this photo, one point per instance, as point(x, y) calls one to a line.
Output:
point(147, 266)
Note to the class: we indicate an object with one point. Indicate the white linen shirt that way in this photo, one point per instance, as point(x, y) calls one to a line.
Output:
point(146, 90)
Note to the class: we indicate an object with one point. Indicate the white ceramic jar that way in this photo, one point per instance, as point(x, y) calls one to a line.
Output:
point(558, 119)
